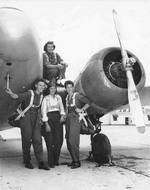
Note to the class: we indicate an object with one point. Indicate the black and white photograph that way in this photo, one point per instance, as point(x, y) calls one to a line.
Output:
point(74, 94)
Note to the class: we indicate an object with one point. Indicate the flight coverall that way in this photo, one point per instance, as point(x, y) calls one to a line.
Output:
point(73, 124)
point(30, 127)
point(52, 59)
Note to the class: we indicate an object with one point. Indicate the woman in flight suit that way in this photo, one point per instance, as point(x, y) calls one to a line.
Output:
point(54, 66)
point(30, 124)
point(76, 103)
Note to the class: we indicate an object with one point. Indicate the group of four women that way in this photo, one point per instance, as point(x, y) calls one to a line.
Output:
point(53, 114)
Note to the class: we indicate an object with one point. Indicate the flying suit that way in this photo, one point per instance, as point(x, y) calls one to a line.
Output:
point(53, 59)
point(30, 127)
point(73, 124)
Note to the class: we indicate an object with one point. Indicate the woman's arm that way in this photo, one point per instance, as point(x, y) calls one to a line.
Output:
point(82, 99)
point(44, 115)
point(83, 109)
point(48, 128)
point(61, 106)
point(44, 110)
point(47, 64)
point(62, 110)
point(13, 95)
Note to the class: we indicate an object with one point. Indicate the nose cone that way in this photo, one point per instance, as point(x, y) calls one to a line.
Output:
point(20, 49)
point(17, 33)
point(13, 23)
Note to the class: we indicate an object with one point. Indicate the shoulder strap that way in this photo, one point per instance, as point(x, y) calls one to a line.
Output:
point(21, 113)
point(46, 55)
point(31, 102)
point(41, 98)
point(73, 100)
point(67, 100)
point(55, 57)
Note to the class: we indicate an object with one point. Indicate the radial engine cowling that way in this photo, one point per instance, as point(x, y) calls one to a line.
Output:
point(103, 80)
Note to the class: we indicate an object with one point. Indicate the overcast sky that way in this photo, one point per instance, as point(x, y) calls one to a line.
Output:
point(81, 28)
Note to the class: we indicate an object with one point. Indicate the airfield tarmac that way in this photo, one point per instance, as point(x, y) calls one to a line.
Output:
point(131, 156)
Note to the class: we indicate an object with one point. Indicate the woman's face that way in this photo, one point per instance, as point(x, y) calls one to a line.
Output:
point(40, 86)
point(52, 90)
point(50, 48)
point(69, 88)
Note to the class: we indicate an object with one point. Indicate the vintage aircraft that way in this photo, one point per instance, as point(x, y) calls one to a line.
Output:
point(111, 78)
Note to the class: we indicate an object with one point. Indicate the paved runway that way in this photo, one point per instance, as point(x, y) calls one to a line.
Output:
point(131, 155)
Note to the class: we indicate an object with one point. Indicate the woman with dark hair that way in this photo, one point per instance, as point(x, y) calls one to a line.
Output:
point(76, 104)
point(54, 66)
point(30, 123)
point(52, 115)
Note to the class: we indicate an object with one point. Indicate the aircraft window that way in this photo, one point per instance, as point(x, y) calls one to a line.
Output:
point(115, 117)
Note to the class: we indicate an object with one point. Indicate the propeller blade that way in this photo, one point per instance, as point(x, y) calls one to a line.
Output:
point(133, 96)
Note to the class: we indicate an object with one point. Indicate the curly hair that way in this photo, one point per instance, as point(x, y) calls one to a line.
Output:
point(68, 82)
point(49, 42)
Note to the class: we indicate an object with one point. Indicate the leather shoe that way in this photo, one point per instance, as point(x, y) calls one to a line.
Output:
point(29, 165)
point(43, 166)
point(76, 165)
point(51, 165)
point(57, 164)
point(71, 164)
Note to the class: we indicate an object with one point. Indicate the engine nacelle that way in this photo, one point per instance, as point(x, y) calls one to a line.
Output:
point(103, 80)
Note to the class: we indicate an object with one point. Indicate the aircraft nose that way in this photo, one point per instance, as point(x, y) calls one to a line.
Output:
point(14, 23)
point(16, 30)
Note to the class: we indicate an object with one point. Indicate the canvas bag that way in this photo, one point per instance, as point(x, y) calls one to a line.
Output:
point(14, 119)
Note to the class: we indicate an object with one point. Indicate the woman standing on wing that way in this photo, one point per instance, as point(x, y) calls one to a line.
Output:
point(76, 103)
point(52, 110)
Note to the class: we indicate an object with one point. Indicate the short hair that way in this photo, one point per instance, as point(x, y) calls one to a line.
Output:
point(49, 42)
point(36, 82)
point(68, 82)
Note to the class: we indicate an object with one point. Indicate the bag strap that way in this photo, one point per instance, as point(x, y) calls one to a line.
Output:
point(31, 102)
point(46, 56)
point(36, 106)
point(81, 115)
point(21, 113)
point(55, 57)
point(73, 100)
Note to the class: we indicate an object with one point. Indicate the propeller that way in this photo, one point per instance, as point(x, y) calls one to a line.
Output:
point(133, 96)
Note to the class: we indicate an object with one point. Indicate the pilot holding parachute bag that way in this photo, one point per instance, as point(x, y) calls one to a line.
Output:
point(14, 120)
point(30, 123)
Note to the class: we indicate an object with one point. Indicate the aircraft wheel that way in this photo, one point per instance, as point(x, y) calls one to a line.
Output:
point(101, 148)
